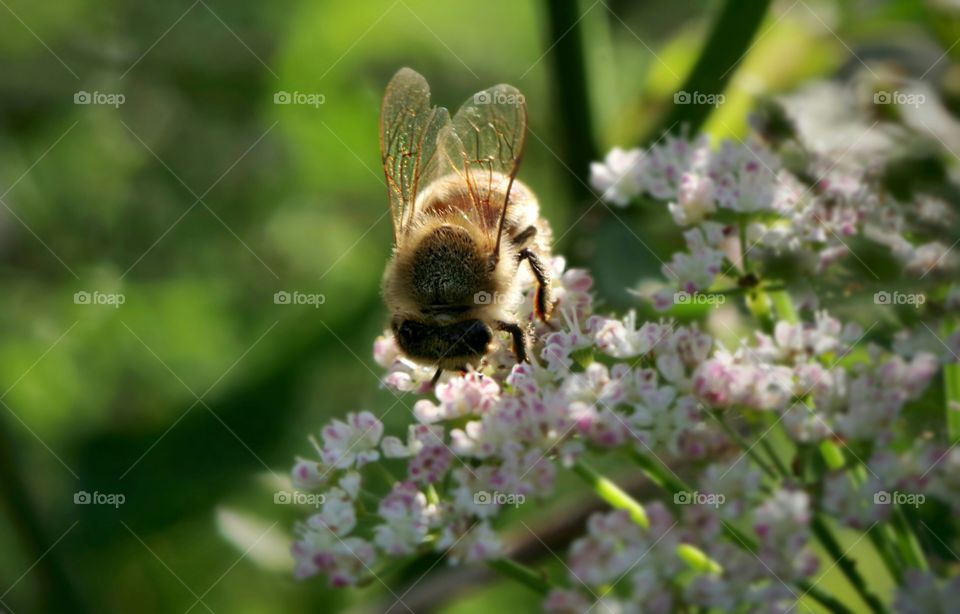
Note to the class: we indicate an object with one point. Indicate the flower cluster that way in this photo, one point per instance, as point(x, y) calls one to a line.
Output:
point(751, 440)
point(492, 438)
point(740, 200)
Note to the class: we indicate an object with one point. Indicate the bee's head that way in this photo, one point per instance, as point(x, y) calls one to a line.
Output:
point(451, 345)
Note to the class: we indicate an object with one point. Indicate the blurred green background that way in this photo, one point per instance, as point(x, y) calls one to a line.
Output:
point(199, 197)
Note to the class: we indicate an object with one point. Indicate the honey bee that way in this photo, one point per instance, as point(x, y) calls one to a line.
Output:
point(463, 224)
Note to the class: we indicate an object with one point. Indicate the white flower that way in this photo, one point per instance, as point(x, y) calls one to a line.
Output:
point(476, 544)
point(781, 524)
point(668, 160)
point(694, 271)
point(622, 339)
point(352, 442)
point(407, 518)
point(345, 561)
point(418, 436)
point(695, 199)
point(926, 258)
point(658, 422)
point(472, 394)
point(350, 483)
point(559, 346)
point(307, 475)
point(617, 178)
point(612, 546)
point(337, 514)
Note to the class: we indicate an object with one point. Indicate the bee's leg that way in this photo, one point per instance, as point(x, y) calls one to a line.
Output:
point(519, 338)
point(542, 303)
point(436, 377)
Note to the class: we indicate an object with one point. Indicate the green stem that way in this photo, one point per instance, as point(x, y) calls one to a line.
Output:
point(744, 256)
point(825, 599)
point(728, 43)
point(385, 474)
point(784, 306)
point(884, 539)
point(658, 474)
point(619, 499)
point(749, 449)
point(846, 565)
point(612, 494)
point(51, 579)
point(771, 453)
point(568, 71)
point(909, 543)
point(522, 574)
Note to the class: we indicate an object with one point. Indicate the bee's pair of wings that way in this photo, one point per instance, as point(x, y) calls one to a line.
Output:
point(482, 143)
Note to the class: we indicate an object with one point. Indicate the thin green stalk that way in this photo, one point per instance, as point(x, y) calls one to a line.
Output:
point(749, 449)
point(889, 544)
point(825, 599)
point(657, 473)
point(765, 444)
point(784, 306)
point(388, 477)
point(728, 43)
point(620, 499)
point(59, 593)
point(612, 494)
point(744, 253)
point(911, 549)
point(846, 565)
point(522, 574)
point(777, 461)
point(568, 71)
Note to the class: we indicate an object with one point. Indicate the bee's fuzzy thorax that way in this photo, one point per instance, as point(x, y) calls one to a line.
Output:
point(448, 265)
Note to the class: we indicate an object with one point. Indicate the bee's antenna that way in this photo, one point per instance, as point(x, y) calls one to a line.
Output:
point(503, 219)
point(436, 377)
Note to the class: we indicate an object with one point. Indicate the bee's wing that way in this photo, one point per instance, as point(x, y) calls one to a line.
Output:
point(484, 145)
point(409, 127)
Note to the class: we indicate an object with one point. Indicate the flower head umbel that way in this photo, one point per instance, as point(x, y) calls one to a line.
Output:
point(753, 429)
